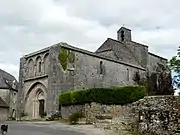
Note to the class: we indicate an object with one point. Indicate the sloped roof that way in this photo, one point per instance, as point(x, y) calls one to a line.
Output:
point(3, 103)
point(6, 80)
point(120, 50)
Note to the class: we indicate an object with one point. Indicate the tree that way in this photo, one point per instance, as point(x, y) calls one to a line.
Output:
point(158, 82)
point(174, 65)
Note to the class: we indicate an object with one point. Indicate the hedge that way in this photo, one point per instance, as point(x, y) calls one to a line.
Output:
point(108, 96)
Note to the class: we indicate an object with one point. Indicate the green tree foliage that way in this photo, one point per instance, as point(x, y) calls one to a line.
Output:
point(66, 56)
point(174, 64)
point(63, 58)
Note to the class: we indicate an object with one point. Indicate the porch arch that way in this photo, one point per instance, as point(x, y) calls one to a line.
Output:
point(35, 100)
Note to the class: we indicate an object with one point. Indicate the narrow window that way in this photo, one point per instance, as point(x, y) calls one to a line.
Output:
point(122, 36)
point(127, 74)
point(101, 67)
point(39, 66)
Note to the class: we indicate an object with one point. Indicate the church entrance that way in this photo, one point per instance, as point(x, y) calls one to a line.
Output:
point(35, 102)
point(41, 108)
point(39, 104)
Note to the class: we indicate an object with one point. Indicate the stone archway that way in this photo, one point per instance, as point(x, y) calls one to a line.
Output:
point(35, 101)
point(39, 104)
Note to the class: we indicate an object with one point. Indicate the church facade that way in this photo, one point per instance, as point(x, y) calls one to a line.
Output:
point(44, 74)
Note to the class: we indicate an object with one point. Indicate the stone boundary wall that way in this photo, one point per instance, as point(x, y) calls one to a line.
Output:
point(67, 111)
point(157, 115)
point(95, 111)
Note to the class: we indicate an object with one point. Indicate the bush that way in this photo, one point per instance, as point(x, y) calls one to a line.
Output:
point(74, 118)
point(108, 96)
point(54, 116)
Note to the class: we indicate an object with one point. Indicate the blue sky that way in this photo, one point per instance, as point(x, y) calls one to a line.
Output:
point(29, 25)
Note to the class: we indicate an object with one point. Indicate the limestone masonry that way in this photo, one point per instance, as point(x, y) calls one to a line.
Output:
point(46, 73)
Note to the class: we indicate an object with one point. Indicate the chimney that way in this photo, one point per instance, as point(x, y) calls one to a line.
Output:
point(124, 34)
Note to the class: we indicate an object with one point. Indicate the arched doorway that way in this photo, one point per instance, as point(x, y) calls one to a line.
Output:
point(35, 101)
point(40, 103)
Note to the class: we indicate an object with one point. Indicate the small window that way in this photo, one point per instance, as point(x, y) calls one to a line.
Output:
point(127, 74)
point(101, 67)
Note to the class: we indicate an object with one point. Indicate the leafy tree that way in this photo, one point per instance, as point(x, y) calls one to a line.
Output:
point(174, 65)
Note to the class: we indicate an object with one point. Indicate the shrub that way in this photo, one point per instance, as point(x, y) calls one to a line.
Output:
point(74, 118)
point(108, 96)
point(54, 116)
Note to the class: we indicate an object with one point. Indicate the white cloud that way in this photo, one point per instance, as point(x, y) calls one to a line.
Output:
point(26, 26)
point(11, 68)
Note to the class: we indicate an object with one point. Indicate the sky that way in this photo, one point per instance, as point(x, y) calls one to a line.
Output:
point(30, 25)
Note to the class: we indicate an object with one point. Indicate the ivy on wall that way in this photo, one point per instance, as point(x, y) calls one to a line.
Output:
point(65, 57)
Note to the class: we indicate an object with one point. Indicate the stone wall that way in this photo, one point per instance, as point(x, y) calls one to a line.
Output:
point(84, 72)
point(10, 97)
point(157, 115)
point(67, 111)
point(33, 71)
point(153, 60)
point(3, 114)
point(94, 111)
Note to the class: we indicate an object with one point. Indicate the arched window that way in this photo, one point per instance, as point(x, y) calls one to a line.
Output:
point(30, 68)
point(46, 63)
point(39, 66)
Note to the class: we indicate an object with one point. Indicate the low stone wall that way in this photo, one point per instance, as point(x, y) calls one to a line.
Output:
point(95, 111)
point(153, 115)
point(157, 115)
point(66, 111)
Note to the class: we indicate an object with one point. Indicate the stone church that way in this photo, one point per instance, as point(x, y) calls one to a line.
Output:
point(8, 95)
point(44, 74)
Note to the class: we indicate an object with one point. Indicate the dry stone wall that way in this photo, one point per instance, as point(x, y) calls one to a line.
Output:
point(157, 115)
point(153, 115)
point(67, 111)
